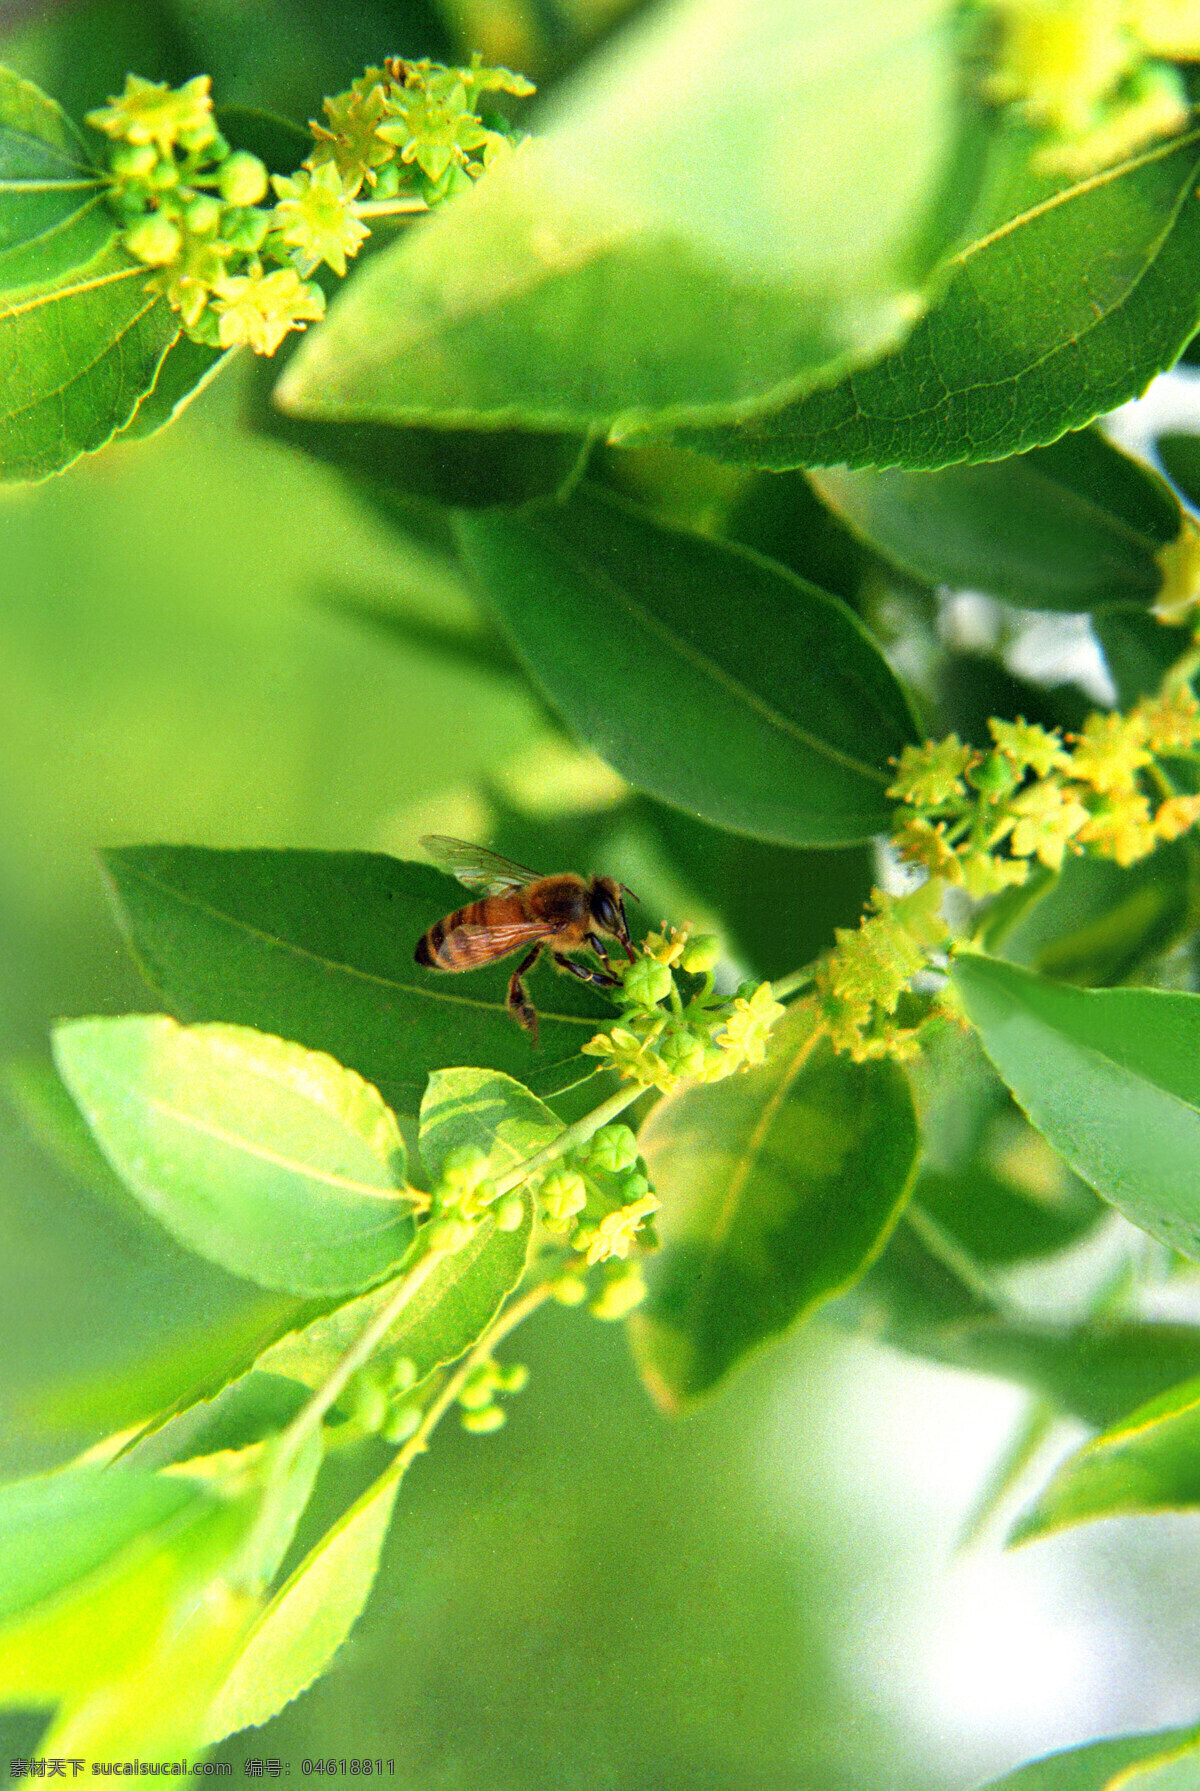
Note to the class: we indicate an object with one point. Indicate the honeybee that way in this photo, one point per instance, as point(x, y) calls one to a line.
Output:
point(556, 914)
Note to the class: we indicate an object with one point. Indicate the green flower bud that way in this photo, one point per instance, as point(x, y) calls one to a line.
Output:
point(387, 182)
point(513, 1379)
point(134, 161)
point(163, 176)
point(614, 1148)
point(619, 1295)
point(489, 1418)
point(569, 1290)
point(562, 1195)
point(994, 776)
point(246, 230)
point(465, 1165)
point(510, 1214)
point(367, 1401)
point(683, 1053)
point(702, 954)
point(633, 1186)
point(202, 215)
point(448, 1235)
point(156, 240)
point(402, 1422)
point(242, 179)
point(647, 982)
point(403, 1374)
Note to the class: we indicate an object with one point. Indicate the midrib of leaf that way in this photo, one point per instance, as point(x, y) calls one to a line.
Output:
point(305, 954)
point(1067, 195)
point(707, 667)
point(54, 294)
point(248, 1148)
point(88, 183)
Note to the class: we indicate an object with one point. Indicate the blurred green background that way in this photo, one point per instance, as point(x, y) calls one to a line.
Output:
point(769, 1596)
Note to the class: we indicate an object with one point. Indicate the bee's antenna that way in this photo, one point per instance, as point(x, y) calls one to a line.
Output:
point(625, 890)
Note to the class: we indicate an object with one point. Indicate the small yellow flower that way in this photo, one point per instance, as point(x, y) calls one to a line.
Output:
point(260, 309)
point(1169, 28)
point(1110, 752)
point(1176, 815)
point(1029, 747)
point(1171, 720)
point(315, 215)
point(350, 142)
point(617, 1232)
point(931, 774)
point(1060, 58)
point(1121, 828)
point(152, 112)
point(1048, 817)
point(921, 842)
point(984, 874)
point(748, 1027)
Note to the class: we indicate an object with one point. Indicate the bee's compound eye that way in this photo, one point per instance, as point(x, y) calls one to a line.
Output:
point(604, 911)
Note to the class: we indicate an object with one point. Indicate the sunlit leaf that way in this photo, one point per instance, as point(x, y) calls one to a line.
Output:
point(318, 947)
point(111, 1582)
point(1110, 1076)
point(269, 1159)
point(1150, 1461)
point(447, 1314)
point(779, 1187)
point(1100, 1765)
point(651, 261)
point(76, 360)
point(707, 676)
point(1066, 309)
point(304, 1625)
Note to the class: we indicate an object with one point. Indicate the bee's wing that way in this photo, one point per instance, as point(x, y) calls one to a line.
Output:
point(476, 866)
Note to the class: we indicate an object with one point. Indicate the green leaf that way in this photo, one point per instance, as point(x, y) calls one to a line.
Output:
point(183, 373)
point(1110, 1076)
point(472, 469)
point(318, 947)
point(112, 1582)
point(212, 1327)
point(1098, 1371)
point(76, 360)
point(653, 261)
point(1099, 921)
point(493, 1113)
point(779, 1187)
point(445, 1317)
point(1180, 455)
point(1065, 310)
point(1138, 649)
point(1100, 1766)
point(52, 212)
point(1150, 1461)
point(272, 1160)
point(999, 1222)
point(709, 677)
point(304, 1625)
point(1070, 527)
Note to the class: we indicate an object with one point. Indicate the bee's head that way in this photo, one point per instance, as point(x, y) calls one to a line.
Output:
point(608, 910)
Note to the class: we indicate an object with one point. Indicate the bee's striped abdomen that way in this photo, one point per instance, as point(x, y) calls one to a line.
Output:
point(449, 945)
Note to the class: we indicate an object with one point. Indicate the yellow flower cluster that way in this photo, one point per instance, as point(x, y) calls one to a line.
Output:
point(703, 1040)
point(980, 821)
point(1095, 76)
point(189, 204)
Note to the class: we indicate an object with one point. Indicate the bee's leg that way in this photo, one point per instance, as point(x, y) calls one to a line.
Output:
point(603, 979)
point(519, 1004)
point(597, 945)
